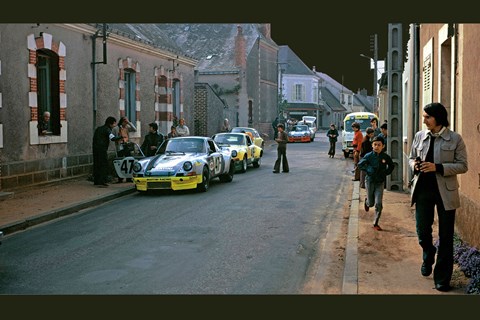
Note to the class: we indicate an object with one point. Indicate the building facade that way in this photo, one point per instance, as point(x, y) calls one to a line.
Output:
point(81, 78)
point(446, 60)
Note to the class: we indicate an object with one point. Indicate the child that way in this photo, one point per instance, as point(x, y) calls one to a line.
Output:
point(377, 165)
point(366, 148)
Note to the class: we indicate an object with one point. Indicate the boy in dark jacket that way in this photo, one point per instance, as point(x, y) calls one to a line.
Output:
point(377, 165)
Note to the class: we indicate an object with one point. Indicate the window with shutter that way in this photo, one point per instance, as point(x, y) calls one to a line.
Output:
point(427, 80)
point(427, 85)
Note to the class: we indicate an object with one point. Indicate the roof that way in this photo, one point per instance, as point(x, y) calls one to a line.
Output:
point(148, 33)
point(213, 44)
point(331, 84)
point(363, 100)
point(291, 63)
point(331, 101)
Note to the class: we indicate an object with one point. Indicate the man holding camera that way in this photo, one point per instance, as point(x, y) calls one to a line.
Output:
point(437, 155)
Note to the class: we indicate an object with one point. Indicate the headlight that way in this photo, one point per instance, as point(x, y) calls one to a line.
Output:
point(234, 153)
point(187, 166)
point(137, 167)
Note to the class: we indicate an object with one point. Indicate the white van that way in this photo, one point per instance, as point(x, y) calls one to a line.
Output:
point(310, 121)
point(362, 118)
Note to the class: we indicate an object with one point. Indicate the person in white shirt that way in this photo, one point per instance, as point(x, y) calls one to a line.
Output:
point(182, 129)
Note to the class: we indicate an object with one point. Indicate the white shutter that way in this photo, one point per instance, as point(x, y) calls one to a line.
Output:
point(427, 94)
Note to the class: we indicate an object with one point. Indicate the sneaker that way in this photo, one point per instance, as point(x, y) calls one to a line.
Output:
point(377, 227)
point(365, 205)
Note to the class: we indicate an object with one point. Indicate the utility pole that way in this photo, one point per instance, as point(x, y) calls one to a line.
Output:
point(280, 93)
point(374, 48)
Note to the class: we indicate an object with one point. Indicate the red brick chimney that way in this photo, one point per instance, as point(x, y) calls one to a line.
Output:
point(266, 30)
point(240, 59)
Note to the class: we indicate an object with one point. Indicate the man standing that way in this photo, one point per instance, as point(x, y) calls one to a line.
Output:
point(357, 147)
point(282, 141)
point(182, 129)
point(152, 140)
point(437, 156)
point(101, 140)
point(374, 125)
point(332, 135)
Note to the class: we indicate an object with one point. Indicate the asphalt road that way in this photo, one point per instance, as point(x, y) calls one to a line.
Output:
point(262, 233)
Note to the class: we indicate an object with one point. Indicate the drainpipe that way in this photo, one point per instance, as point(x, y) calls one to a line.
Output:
point(416, 70)
point(94, 67)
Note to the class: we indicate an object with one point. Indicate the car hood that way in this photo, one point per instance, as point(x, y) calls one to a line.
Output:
point(167, 164)
point(298, 133)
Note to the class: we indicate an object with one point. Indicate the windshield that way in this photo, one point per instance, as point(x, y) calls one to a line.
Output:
point(240, 129)
point(232, 139)
point(362, 119)
point(185, 145)
point(300, 128)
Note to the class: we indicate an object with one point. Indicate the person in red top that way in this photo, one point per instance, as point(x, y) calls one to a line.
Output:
point(357, 147)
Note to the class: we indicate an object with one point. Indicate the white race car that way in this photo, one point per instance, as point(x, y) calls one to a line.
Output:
point(184, 163)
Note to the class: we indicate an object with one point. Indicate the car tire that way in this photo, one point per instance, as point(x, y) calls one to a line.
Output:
point(203, 186)
point(346, 154)
point(244, 165)
point(228, 177)
point(257, 163)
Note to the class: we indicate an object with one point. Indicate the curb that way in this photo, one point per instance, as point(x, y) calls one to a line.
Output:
point(57, 213)
point(350, 272)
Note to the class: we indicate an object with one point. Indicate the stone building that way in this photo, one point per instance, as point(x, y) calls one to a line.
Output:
point(81, 77)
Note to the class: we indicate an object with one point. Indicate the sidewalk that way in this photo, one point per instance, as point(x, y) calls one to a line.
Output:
point(389, 260)
point(30, 206)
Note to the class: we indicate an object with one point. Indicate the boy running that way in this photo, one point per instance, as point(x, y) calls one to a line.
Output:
point(377, 165)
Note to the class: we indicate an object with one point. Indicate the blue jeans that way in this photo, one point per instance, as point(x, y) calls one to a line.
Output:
point(374, 197)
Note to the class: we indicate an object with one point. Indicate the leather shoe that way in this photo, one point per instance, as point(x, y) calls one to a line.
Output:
point(365, 205)
point(443, 287)
point(426, 270)
point(276, 171)
point(355, 179)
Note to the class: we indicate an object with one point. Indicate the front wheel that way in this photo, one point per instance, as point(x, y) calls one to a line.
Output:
point(244, 165)
point(203, 187)
point(257, 163)
point(346, 154)
point(228, 177)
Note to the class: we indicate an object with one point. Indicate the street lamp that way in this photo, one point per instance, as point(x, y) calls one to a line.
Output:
point(374, 79)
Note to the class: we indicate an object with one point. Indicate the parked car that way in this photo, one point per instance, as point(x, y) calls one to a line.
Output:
point(257, 139)
point(124, 165)
point(184, 163)
point(247, 152)
point(300, 133)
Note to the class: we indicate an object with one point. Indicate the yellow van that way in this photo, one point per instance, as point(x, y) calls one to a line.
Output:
point(362, 118)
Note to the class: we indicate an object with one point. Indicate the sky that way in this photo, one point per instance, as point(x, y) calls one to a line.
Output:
point(336, 52)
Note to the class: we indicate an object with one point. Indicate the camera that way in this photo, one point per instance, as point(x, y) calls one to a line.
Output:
point(418, 161)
